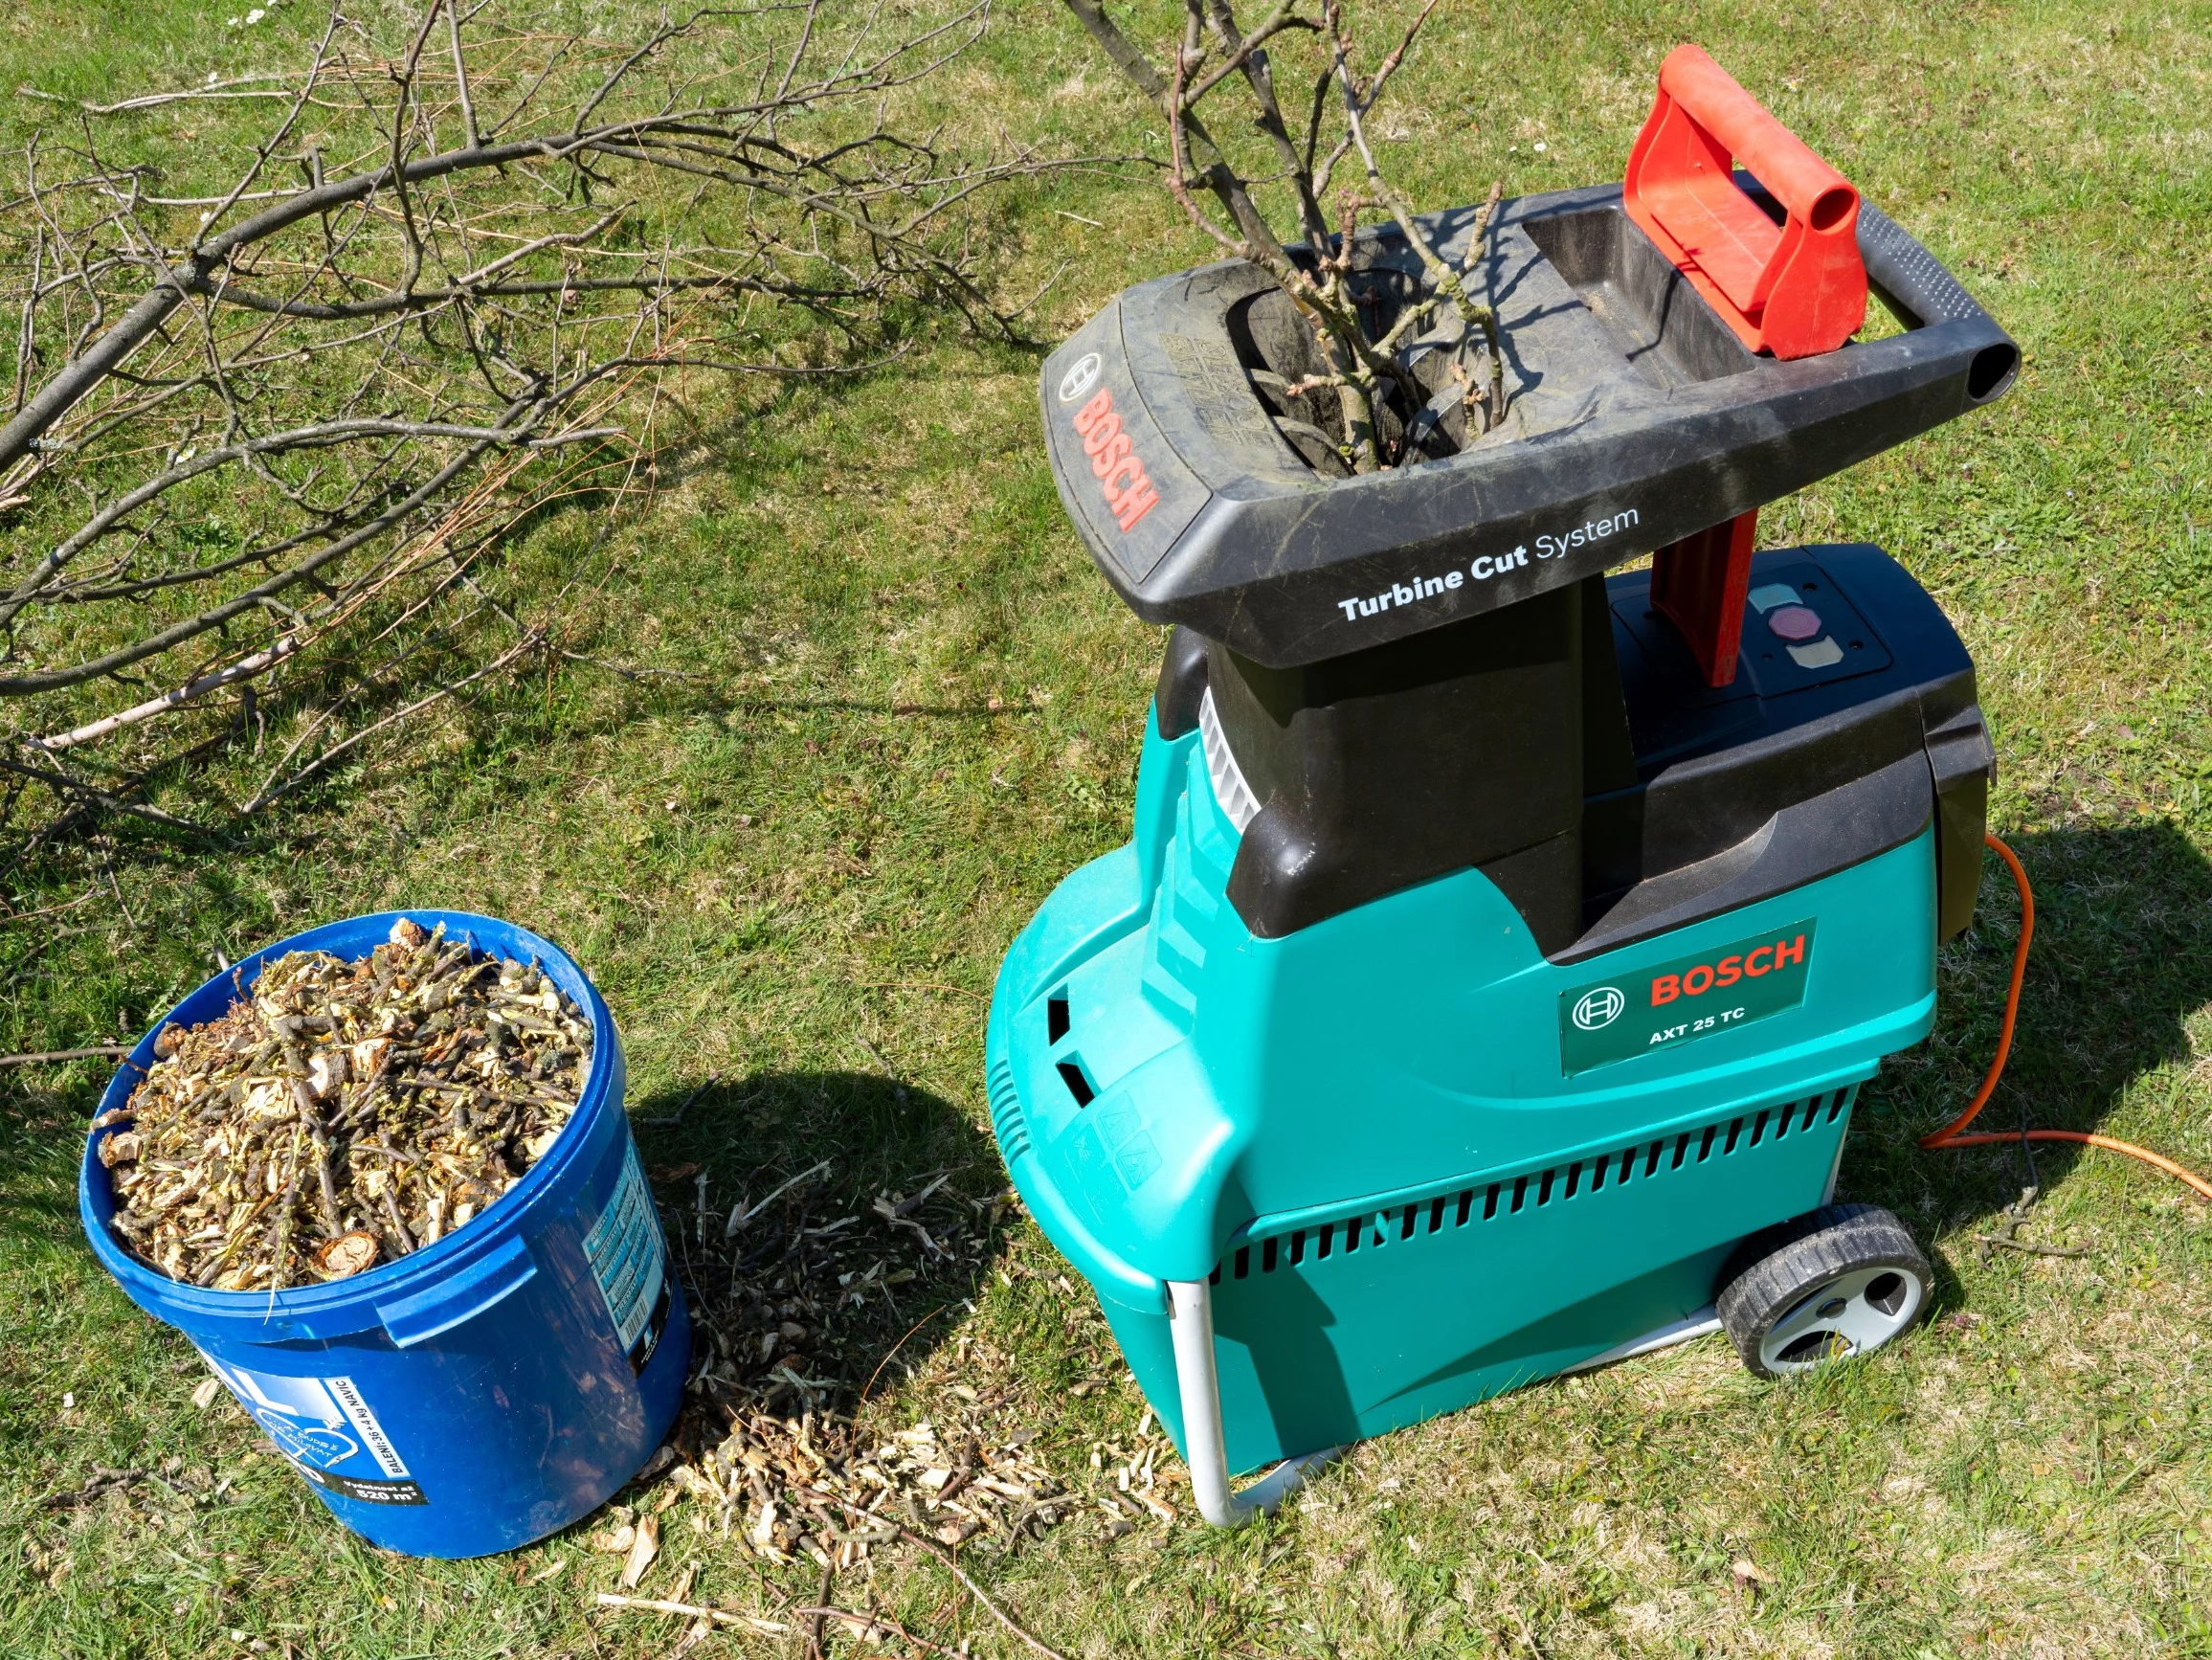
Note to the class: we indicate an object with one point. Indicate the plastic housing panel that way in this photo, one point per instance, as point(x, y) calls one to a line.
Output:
point(1612, 449)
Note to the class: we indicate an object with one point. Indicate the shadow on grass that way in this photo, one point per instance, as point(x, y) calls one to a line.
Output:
point(43, 1131)
point(845, 1292)
point(2121, 961)
point(880, 1137)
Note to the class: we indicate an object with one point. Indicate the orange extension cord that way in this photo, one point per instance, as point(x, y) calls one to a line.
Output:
point(1949, 1136)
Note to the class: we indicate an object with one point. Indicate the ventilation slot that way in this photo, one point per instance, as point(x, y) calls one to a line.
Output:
point(1221, 770)
point(1586, 1178)
point(1056, 1020)
point(1078, 1086)
point(1006, 1115)
point(1242, 1267)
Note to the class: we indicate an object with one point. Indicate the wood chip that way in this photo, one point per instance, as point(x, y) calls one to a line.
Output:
point(346, 1254)
point(642, 1550)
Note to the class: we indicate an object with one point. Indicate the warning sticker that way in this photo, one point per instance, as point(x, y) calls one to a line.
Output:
point(1670, 1003)
point(630, 1260)
point(329, 1431)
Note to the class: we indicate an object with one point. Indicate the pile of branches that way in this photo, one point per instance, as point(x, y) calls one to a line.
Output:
point(1391, 380)
point(266, 437)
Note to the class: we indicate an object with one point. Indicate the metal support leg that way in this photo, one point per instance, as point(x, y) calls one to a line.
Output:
point(1191, 1321)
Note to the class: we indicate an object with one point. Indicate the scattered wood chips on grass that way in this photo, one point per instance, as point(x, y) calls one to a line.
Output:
point(799, 1300)
point(783, 1489)
point(802, 1301)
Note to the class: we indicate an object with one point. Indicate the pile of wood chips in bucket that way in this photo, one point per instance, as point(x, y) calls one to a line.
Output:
point(342, 1113)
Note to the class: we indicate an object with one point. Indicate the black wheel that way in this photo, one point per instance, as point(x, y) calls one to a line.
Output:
point(1840, 1281)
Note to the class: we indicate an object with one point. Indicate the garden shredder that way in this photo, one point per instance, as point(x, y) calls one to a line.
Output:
point(1502, 945)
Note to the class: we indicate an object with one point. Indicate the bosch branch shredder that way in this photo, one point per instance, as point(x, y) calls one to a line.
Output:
point(1502, 945)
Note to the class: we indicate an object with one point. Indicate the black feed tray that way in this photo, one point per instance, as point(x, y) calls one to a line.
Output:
point(1636, 417)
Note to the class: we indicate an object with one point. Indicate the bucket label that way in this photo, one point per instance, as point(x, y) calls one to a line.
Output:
point(630, 1260)
point(1671, 1003)
point(329, 1431)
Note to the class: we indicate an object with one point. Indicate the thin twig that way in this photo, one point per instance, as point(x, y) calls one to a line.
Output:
point(49, 1057)
point(245, 668)
point(866, 1625)
point(952, 1565)
point(2027, 1245)
point(752, 1623)
point(63, 784)
point(275, 792)
point(742, 1213)
point(219, 91)
point(818, 1613)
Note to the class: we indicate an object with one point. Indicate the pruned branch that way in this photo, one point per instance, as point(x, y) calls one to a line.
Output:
point(1358, 99)
point(276, 790)
point(245, 668)
point(271, 429)
point(91, 795)
point(1396, 385)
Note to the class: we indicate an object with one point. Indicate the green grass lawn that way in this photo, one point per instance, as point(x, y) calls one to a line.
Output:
point(899, 706)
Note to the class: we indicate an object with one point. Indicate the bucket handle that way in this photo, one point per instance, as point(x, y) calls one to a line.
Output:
point(489, 1280)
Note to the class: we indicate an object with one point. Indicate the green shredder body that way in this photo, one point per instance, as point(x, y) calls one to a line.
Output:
point(1480, 975)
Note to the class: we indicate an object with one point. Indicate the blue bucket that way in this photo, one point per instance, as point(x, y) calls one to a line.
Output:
point(488, 1389)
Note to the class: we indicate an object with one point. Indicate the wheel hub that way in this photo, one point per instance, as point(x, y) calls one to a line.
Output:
point(1856, 1312)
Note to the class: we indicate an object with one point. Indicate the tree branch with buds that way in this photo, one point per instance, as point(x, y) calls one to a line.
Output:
point(269, 434)
point(1385, 407)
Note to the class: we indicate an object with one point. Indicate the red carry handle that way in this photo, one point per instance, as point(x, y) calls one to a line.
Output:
point(1795, 290)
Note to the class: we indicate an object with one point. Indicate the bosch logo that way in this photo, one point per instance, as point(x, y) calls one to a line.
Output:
point(1081, 378)
point(1129, 491)
point(1701, 978)
point(1599, 1008)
